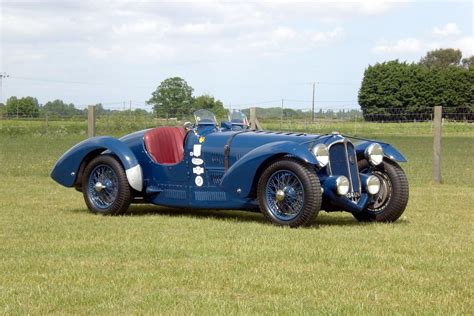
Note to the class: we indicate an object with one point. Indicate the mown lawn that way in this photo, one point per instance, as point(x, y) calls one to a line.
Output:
point(58, 258)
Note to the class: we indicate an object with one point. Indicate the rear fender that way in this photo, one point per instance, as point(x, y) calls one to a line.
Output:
point(239, 179)
point(389, 151)
point(66, 169)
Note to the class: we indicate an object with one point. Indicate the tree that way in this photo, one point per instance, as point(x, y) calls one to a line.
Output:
point(442, 58)
point(140, 112)
point(100, 110)
point(400, 91)
point(468, 62)
point(59, 108)
point(24, 107)
point(210, 103)
point(173, 97)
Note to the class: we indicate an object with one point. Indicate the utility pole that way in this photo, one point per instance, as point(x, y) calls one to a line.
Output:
point(281, 116)
point(130, 113)
point(312, 110)
point(2, 75)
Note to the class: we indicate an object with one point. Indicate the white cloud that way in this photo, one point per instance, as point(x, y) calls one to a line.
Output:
point(447, 36)
point(421, 46)
point(328, 36)
point(447, 30)
point(100, 39)
point(137, 31)
point(408, 45)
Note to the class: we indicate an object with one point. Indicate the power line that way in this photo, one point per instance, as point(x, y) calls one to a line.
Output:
point(312, 111)
point(320, 101)
point(339, 83)
point(328, 83)
point(256, 103)
point(70, 81)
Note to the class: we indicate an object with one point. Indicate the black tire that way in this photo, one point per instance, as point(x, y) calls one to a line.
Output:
point(302, 200)
point(392, 199)
point(116, 195)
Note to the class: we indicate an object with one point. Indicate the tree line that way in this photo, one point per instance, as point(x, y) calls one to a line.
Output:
point(395, 90)
point(29, 107)
point(173, 98)
point(274, 113)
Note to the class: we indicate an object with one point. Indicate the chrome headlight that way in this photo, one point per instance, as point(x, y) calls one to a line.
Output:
point(374, 154)
point(342, 185)
point(321, 152)
point(373, 185)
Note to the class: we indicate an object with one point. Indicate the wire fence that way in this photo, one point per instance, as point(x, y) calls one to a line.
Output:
point(125, 119)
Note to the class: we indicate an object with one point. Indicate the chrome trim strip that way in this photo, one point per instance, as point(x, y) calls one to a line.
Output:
point(348, 166)
point(357, 168)
point(341, 140)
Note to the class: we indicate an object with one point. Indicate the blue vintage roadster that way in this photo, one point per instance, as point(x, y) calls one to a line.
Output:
point(289, 177)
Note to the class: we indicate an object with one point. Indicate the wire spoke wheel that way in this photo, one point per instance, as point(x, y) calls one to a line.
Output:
point(105, 186)
point(390, 202)
point(284, 195)
point(289, 193)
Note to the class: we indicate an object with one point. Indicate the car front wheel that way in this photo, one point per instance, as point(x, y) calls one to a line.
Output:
point(390, 203)
point(289, 193)
point(105, 186)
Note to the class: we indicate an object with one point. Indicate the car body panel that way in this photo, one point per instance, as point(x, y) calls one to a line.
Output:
point(390, 152)
point(238, 183)
point(221, 166)
point(66, 169)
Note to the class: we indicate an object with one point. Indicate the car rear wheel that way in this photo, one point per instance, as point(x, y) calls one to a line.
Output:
point(289, 193)
point(390, 203)
point(105, 186)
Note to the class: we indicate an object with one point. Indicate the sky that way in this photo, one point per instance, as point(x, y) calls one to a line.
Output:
point(241, 52)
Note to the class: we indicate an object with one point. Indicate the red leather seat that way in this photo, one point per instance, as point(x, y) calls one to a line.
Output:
point(165, 144)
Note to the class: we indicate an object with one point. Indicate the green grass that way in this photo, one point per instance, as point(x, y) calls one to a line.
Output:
point(56, 257)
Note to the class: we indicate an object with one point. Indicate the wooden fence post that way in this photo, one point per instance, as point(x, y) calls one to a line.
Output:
point(91, 121)
point(437, 120)
point(254, 123)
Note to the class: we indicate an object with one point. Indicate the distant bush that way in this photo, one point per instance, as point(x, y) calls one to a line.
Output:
point(396, 90)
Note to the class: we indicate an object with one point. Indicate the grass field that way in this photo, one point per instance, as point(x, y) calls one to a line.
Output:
point(56, 257)
point(120, 125)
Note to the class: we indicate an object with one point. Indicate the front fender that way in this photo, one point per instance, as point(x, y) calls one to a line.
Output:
point(242, 173)
point(389, 151)
point(65, 171)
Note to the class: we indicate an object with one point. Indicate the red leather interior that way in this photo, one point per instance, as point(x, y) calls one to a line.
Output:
point(165, 144)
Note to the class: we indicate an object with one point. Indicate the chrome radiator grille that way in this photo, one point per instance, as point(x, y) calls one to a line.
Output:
point(343, 162)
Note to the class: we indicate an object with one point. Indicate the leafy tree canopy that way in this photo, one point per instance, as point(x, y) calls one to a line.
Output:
point(173, 97)
point(395, 87)
point(443, 57)
point(59, 108)
point(23, 107)
point(210, 103)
